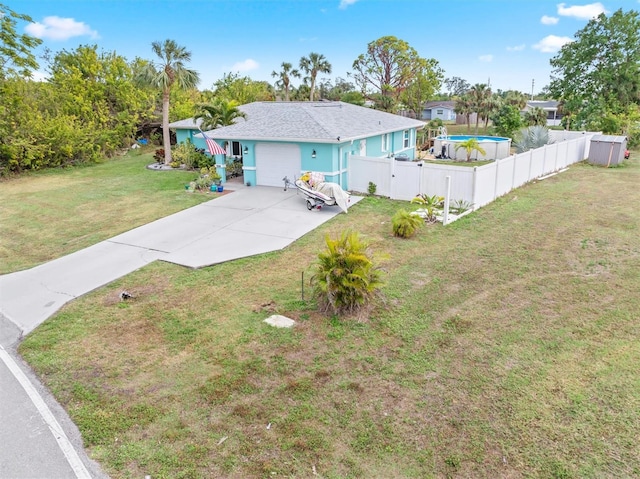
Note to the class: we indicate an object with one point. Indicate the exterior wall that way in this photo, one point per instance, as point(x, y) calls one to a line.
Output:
point(446, 115)
point(331, 159)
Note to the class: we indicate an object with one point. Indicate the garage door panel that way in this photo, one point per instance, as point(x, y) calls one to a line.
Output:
point(274, 161)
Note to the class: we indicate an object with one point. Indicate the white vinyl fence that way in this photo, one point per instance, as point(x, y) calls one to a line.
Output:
point(479, 185)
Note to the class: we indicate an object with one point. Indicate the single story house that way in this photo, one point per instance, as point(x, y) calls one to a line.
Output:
point(550, 106)
point(279, 139)
point(445, 110)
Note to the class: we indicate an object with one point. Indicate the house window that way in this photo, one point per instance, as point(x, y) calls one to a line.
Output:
point(385, 142)
point(405, 139)
point(235, 146)
point(439, 112)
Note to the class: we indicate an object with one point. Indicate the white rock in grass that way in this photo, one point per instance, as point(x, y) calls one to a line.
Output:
point(280, 321)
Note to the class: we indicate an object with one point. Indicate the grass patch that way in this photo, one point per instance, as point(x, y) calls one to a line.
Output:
point(50, 213)
point(507, 346)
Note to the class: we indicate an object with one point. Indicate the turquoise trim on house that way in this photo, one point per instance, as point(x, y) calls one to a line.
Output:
point(333, 130)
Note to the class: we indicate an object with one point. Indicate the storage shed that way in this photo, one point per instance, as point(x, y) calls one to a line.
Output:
point(607, 150)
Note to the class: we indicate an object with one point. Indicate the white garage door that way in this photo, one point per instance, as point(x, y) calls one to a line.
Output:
point(274, 161)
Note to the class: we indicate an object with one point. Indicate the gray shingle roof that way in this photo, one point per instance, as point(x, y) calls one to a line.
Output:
point(320, 121)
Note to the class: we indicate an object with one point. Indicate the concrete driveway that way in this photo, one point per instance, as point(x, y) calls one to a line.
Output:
point(39, 439)
point(245, 222)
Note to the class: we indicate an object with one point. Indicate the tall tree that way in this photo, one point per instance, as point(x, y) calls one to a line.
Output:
point(98, 89)
point(284, 78)
point(168, 72)
point(312, 65)
point(15, 50)
point(421, 89)
point(464, 106)
point(515, 98)
point(457, 86)
point(597, 76)
point(389, 66)
point(479, 96)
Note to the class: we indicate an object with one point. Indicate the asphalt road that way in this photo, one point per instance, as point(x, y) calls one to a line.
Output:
point(37, 438)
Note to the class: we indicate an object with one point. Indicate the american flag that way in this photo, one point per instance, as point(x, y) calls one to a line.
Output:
point(213, 147)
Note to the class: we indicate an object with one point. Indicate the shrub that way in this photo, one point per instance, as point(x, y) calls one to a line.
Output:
point(430, 206)
point(345, 277)
point(159, 155)
point(191, 157)
point(460, 206)
point(372, 188)
point(435, 123)
point(208, 176)
point(530, 138)
point(406, 224)
point(234, 168)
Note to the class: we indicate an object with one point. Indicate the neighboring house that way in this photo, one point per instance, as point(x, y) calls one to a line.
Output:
point(279, 139)
point(550, 106)
point(444, 110)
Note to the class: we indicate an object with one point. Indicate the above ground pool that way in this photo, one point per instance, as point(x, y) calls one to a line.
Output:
point(495, 147)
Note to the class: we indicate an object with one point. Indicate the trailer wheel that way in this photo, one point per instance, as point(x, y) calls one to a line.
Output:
point(309, 205)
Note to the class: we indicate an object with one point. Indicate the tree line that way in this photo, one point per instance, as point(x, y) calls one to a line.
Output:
point(95, 103)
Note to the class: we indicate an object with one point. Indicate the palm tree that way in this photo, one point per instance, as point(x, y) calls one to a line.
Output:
point(470, 146)
point(478, 95)
point(169, 72)
point(516, 98)
point(463, 106)
point(220, 112)
point(284, 78)
point(536, 116)
point(312, 65)
point(490, 106)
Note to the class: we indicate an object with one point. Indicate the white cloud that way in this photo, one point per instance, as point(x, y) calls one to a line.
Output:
point(345, 3)
point(485, 58)
point(39, 75)
point(582, 12)
point(547, 20)
point(245, 66)
point(516, 48)
point(551, 43)
point(56, 28)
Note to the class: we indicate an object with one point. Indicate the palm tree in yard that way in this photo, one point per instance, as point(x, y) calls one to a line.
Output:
point(168, 72)
point(479, 95)
point(284, 78)
point(220, 112)
point(464, 107)
point(312, 65)
point(470, 146)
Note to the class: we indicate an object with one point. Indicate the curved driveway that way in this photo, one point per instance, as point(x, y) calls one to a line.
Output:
point(243, 223)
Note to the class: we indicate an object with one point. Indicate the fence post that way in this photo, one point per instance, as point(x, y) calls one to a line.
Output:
point(447, 198)
point(474, 189)
point(495, 181)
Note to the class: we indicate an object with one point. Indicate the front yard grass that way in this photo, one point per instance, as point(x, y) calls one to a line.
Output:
point(508, 346)
point(48, 214)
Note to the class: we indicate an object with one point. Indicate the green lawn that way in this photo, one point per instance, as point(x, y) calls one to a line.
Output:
point(50, 213)
point(507, 346)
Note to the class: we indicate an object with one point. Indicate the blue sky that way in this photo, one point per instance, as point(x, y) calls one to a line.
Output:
point(505, 42)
